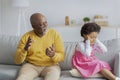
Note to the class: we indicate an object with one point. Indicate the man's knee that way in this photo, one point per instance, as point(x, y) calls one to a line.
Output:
point(55, 73)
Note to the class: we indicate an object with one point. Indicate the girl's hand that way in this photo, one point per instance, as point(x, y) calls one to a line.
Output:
point(88, 38)
point(92, 41)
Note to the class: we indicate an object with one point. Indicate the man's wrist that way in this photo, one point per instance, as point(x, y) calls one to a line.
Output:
point(25, 48)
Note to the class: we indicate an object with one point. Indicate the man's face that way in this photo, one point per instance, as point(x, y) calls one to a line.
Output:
point(39, 25)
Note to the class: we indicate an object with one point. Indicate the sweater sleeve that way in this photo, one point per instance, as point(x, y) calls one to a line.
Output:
point(100, 47)
point(84, 48)
point(20, 54)
point(59, 49)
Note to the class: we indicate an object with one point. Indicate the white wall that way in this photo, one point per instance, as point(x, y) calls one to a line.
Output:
point(72, 34)
point(0, 16)
point(56, 10)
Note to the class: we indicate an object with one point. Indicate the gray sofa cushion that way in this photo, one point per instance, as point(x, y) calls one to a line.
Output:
point(117, 64)
point(8, 72)
point(8, 45)
point(65, 75)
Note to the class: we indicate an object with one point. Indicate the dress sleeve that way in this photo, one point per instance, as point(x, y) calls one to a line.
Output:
point(100, 47)
point(84, 48)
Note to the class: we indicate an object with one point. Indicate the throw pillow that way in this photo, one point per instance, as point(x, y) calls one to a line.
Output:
point(75, 73)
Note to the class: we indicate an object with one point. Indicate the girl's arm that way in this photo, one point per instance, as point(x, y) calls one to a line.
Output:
point(100, 47)
point(84, 48)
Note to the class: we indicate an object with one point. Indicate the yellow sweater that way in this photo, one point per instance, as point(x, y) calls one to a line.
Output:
point(36, 53)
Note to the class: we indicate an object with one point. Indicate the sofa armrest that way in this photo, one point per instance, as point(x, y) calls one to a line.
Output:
point(117, 64)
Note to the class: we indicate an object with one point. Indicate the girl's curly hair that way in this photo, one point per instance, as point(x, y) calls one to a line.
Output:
point(88, 28)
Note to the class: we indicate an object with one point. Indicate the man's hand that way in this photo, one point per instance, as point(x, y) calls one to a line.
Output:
point(28, 44)
point(50, 51)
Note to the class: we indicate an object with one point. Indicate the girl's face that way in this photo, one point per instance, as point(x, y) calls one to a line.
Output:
point(92, 37)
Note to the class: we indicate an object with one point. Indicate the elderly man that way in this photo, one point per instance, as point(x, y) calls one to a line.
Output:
point(42, 50)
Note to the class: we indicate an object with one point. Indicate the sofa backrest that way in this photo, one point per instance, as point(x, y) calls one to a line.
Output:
point(69, 51)
point(8, 45)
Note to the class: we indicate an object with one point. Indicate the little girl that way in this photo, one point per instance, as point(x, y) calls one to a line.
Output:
point(84, 60)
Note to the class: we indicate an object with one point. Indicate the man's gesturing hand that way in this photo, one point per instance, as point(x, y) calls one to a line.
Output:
point(28, 44)
point(50, 51)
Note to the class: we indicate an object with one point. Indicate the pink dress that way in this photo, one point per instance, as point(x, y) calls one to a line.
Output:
point(88, 65)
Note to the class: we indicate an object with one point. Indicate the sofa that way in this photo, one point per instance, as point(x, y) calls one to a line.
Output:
point(9, 70)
